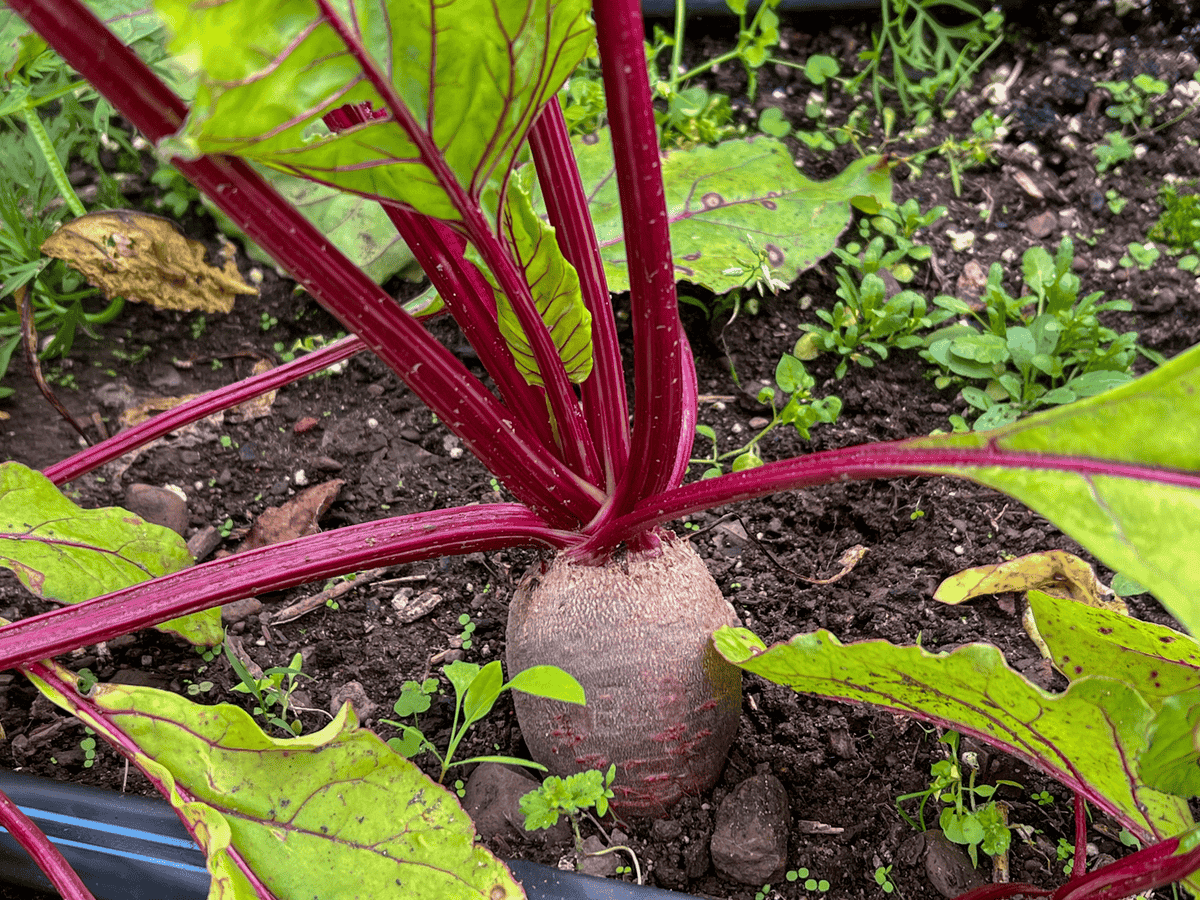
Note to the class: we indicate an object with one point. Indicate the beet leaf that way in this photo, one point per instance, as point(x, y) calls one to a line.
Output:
point(730, 203)
point(1084, 737)
point(291, 817)
point(66, 554)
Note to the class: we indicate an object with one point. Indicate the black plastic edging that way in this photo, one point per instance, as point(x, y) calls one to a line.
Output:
point(135, 848)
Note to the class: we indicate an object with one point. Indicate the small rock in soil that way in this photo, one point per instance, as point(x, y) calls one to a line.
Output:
point(948, 867)
point(695, 859)
point(158, 505)
point(240, 610)
point(749, 844)
point(598, 866)
point(356, 695)
point(203, 542)
point(492, 799)
point(971, 282)
point(667, 830)
point(1042, 226)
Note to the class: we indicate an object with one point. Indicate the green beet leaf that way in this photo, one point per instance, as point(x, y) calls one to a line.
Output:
point(355, 225)
point(1157, 661)
point(63, 553)
point(1084, 737)
point(733, 208)
point(1172, 761)
point(1141, 514)
point(263, 96)
point(555, 287)
point(130, 20)
point(335, 813)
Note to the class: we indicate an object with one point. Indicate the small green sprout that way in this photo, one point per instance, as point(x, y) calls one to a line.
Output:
point(476, 689)
point(884, 880)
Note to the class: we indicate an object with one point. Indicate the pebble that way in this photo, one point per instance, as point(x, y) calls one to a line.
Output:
point(308, 423)
point(948, 867)
point(158, 505)
point(961, 240)
point(604, 866)
point(355, 694)
point(239, 610)
point(492, 798)
point(972, 281)
point(1042, 225)
point(749, 844)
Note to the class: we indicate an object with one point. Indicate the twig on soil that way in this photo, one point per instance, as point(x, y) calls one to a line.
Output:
point(29, 341)
point(848, 560)
point(318, 600)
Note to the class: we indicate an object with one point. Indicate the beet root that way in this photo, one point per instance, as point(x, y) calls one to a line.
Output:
point(661, 702)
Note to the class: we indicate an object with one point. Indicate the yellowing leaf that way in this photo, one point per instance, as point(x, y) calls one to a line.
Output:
point(63, 553)
point(334, 813)
point(145, 258)
point(1055, 572)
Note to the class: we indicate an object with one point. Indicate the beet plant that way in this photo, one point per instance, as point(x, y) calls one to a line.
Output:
point(445, 115)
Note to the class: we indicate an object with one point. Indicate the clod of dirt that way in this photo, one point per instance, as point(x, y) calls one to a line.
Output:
point(947, 866)
point(492, 799)
point(158, 505)
point(240, 610)
point(750, 842)
point(355, 694)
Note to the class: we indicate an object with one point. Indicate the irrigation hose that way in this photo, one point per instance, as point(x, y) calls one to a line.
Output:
point(135, 848)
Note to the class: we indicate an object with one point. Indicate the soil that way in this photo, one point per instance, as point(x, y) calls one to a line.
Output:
point(843, 767)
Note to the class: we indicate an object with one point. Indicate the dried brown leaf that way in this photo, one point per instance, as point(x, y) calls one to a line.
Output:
point(296, 518)
point(145, 258)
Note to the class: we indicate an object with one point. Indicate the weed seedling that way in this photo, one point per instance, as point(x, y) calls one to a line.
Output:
point(1142, 255)
point(468, 629)
point(1133, 101)
point(801, 411)
point(1111, 154)
point(476, 690)
point(88, 746)
point(1042, 348)
point(573, 796)
point(1179, 224)
point(809, 881)
point(272, 691)
point(883, 878)
point(970, 816)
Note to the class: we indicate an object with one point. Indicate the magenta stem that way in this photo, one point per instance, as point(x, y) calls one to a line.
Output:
point(664, 414)
point(42, 851)
point(1153, 867)
point(468, 297)
point(1079, 864)
point(194, 410)
point(605, 403)
point(892, 459)
point(276, 567)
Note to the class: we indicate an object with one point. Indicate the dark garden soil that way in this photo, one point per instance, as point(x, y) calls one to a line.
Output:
point(842, 766)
